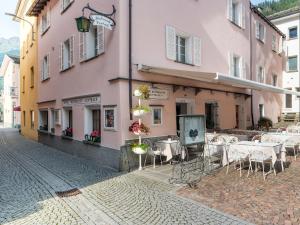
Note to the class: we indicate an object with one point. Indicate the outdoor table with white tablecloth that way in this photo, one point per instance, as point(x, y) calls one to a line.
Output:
point(269, 148)
point(169, 148)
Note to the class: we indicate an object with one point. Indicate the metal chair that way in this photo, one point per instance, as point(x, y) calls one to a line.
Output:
point(153, 151)
point(260, 156)
point(240, 157)
point(256, 137)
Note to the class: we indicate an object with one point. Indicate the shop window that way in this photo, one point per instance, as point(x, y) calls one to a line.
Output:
point(92, 120)
point(157, 115)
point(110, 118)
point(43, 120)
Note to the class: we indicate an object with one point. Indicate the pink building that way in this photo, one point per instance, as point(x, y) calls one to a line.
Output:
point(219, 58)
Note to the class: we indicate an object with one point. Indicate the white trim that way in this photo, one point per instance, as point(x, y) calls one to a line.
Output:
point(114, 128)
point(152, 115)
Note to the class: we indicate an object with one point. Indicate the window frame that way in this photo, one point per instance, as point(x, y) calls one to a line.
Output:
point(45, 64)
point(114, 109)
point(152, 115)
point(274, 43)
point(289, 29)
point(288, 64)
point(262, 78)
point(180, 47)
point(65, 7)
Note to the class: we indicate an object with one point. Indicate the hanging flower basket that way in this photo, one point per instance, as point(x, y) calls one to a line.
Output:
point(140, 110)
point(139, 148)
point(142, 92)
point(138, 129)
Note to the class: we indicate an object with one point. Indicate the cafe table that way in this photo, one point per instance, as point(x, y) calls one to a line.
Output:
point(169, 148)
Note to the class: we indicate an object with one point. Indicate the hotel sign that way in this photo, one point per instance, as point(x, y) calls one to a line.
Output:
point(89, 100)
point(156, 93)
point(99, 20)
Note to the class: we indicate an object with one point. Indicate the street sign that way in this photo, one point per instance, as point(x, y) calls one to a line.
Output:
point(99, 20)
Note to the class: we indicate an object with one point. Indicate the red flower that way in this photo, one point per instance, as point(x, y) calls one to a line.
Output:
point(95, 133)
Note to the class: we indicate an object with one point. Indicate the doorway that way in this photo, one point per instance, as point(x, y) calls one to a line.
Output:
point(211, 113)
point(237, 116)
point(183, 107)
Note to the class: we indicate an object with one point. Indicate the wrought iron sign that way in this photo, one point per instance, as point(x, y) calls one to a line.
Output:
point(96, 18)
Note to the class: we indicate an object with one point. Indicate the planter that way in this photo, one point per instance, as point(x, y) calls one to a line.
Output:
point(139, 112)
point(139, 150)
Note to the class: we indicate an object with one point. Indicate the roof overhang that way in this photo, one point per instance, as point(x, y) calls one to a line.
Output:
point(216, 78)
point(37, 7)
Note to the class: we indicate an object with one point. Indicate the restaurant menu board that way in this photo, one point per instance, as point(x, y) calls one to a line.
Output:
point(192, 129)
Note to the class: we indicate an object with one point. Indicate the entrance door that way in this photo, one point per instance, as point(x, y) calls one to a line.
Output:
point(237, 116)
point(181, 109)
point(211, 112)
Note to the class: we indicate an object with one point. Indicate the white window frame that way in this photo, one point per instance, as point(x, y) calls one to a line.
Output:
point(161, 115)
point(260, 33)
point(66, 55)
point(45, 67)
point(261, 78)
point(240, 19)
point(288, 64)
point(241, 66)
point(65, 4)
point(45, 21)
point(114, 128)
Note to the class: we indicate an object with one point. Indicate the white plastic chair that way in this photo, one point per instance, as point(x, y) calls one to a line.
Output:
point(153, 151)
point(260, 156)
point(239, 156)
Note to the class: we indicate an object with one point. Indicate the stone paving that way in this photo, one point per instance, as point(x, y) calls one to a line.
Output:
point(274, 201)
point(31, 173)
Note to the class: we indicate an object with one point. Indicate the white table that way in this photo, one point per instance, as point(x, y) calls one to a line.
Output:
point(169, 148)
point(215, 148)
point(270, 148)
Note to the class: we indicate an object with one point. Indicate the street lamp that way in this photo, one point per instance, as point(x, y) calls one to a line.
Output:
point(15, 16)
point(83, 23)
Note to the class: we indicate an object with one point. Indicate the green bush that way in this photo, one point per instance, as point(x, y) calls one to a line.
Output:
point(264, 123)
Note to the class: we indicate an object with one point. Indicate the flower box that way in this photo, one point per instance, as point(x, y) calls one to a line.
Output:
point(140, 148)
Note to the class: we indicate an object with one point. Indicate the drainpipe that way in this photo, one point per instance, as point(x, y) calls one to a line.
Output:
point(251, 62)
point(130, 60)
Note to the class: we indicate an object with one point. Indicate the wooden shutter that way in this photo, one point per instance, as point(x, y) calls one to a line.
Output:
point(171, 42)
point(229, 9)
point(197, 51)
point(71, 54)
point(61, 57)
point(82, 46)
point(189, 50)
point(100, 40)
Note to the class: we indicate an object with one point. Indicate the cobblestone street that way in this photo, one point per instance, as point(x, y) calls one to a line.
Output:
point(31, 173)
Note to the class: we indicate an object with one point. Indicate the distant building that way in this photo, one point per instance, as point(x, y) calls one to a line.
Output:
point(10, 69)
point(288, 22)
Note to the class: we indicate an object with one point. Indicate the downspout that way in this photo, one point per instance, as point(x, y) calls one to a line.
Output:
point(251, 62)
point(130, 60)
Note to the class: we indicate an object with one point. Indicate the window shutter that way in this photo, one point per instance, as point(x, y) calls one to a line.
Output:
point(243, 70)
point(264, 34)
point(71, 58)
point(62, 5)
point(82, 46)
point(280, 45)
point(257, 29)
point(231, 65)
point(171, 42)
point(229, 10)
point(197, 51)
point(48, 66)
point(189, 50)
point(48, 18)
point(100, 40)
point(243, 16)
point(42, 70)
point(61, 57)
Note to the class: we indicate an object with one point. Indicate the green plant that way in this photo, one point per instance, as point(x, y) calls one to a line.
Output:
point(141, 107)
point(264, 123)
point(142, 146)
point(142, 92)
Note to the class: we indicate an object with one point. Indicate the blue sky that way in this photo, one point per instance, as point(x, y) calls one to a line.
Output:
point(256, 1)
point(8, 28)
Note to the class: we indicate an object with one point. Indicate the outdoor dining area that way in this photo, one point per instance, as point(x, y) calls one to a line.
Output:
point(263, 152)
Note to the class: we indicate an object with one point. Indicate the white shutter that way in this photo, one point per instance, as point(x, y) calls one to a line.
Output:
point(62, 7)
point(100, 40)
point(61, 57)
point(189, 50)
point(82, 46)
point(48, 18)
point(48, 65)
point(243, 16)
point(197, 51)
point(264, 34)
point(243, 70)
point(280, 45)
point(71, 56)
point(257, 74)
point(231, 64)
point(171, 42)
point(229, 10)
point(42, 70)
point(257, 29)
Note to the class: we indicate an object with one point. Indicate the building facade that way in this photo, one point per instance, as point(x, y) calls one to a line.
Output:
point(28, 70)
point(10, 69)
point(221, 59)
point(289, 22)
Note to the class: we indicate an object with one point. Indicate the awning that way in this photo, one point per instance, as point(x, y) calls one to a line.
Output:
point(17, 109)
point(216, 78)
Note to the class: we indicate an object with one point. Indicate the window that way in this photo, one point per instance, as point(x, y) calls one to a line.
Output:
point(261, 110)
point(157, 115)
point(110, 118)
point(45, 21)
point(237, 66)
point(274, 80)
point(91, 44)
point(288, 101)
point(23, 84)
point(236, 13)
point(292, 64)
point(182, 48)
point(32, 119)
point(31, 77)
point(24, 118)
point(260, 74)
point(274, 43)
point(45, 71)
point(293, 32)
point(66, 54)
point(96, 114)
point(65, 4)
point(260, 32)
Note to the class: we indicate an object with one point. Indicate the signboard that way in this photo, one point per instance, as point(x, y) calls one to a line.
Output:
point(103, 21)
point(192, 129)
point(155, 93)
point(90, 100)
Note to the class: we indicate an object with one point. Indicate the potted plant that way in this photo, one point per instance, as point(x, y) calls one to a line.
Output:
point(68, 132)
point(140, 110)
point(95, 136)
point(138, 129)
point(265, 123)
point(142, 92)
point(139, 148)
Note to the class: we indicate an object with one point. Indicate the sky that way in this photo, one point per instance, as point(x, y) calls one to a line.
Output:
point(8, 28)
